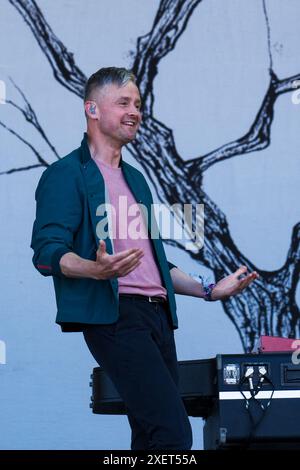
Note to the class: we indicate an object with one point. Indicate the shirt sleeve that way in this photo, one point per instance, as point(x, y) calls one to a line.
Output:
point(58, 216)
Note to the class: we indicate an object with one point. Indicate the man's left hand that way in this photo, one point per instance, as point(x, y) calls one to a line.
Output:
point(233, 284)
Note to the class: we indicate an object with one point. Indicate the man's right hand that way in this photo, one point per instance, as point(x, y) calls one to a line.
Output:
point(108, 266)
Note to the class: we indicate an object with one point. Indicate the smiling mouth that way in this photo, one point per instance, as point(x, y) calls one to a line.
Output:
point(129, 123)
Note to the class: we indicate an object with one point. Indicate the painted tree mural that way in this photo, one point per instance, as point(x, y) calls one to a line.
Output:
point(269, 305)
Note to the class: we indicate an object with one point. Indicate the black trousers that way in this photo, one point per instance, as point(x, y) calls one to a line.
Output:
point(138, 353)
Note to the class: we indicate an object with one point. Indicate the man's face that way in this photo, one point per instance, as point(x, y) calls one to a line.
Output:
point(119, 113)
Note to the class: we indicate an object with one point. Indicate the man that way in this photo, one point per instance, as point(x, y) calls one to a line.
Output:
point(118, 290)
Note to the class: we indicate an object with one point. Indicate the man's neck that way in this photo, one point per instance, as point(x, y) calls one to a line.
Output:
point(104, 151)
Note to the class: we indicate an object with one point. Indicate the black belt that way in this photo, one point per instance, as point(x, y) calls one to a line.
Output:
point(145, 298)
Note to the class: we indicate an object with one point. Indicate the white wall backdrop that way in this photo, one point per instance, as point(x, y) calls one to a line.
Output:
point(208, 90)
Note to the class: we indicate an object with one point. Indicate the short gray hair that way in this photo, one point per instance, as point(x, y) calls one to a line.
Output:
point(108, 76)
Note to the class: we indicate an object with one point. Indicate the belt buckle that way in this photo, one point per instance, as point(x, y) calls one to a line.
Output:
point(151, 300)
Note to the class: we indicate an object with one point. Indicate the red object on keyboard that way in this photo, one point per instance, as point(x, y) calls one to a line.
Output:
point(276, 343)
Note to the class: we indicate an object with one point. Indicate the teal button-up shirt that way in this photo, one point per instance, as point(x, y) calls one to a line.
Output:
point(67, 197)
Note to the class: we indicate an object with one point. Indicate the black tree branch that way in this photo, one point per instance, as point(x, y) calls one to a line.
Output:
point(61, 61)
point(31, 117)
point(257, 138)
point(23, 168)
point(169, 24)
point(36, 153)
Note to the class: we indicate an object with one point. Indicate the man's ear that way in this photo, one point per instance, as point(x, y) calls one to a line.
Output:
point(91, 109)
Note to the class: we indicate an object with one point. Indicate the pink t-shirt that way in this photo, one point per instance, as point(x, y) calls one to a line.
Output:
point(130, 231)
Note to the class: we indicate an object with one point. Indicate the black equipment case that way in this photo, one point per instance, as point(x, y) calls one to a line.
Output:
point(258, 403)
point(247, 400)
point(197, 385)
